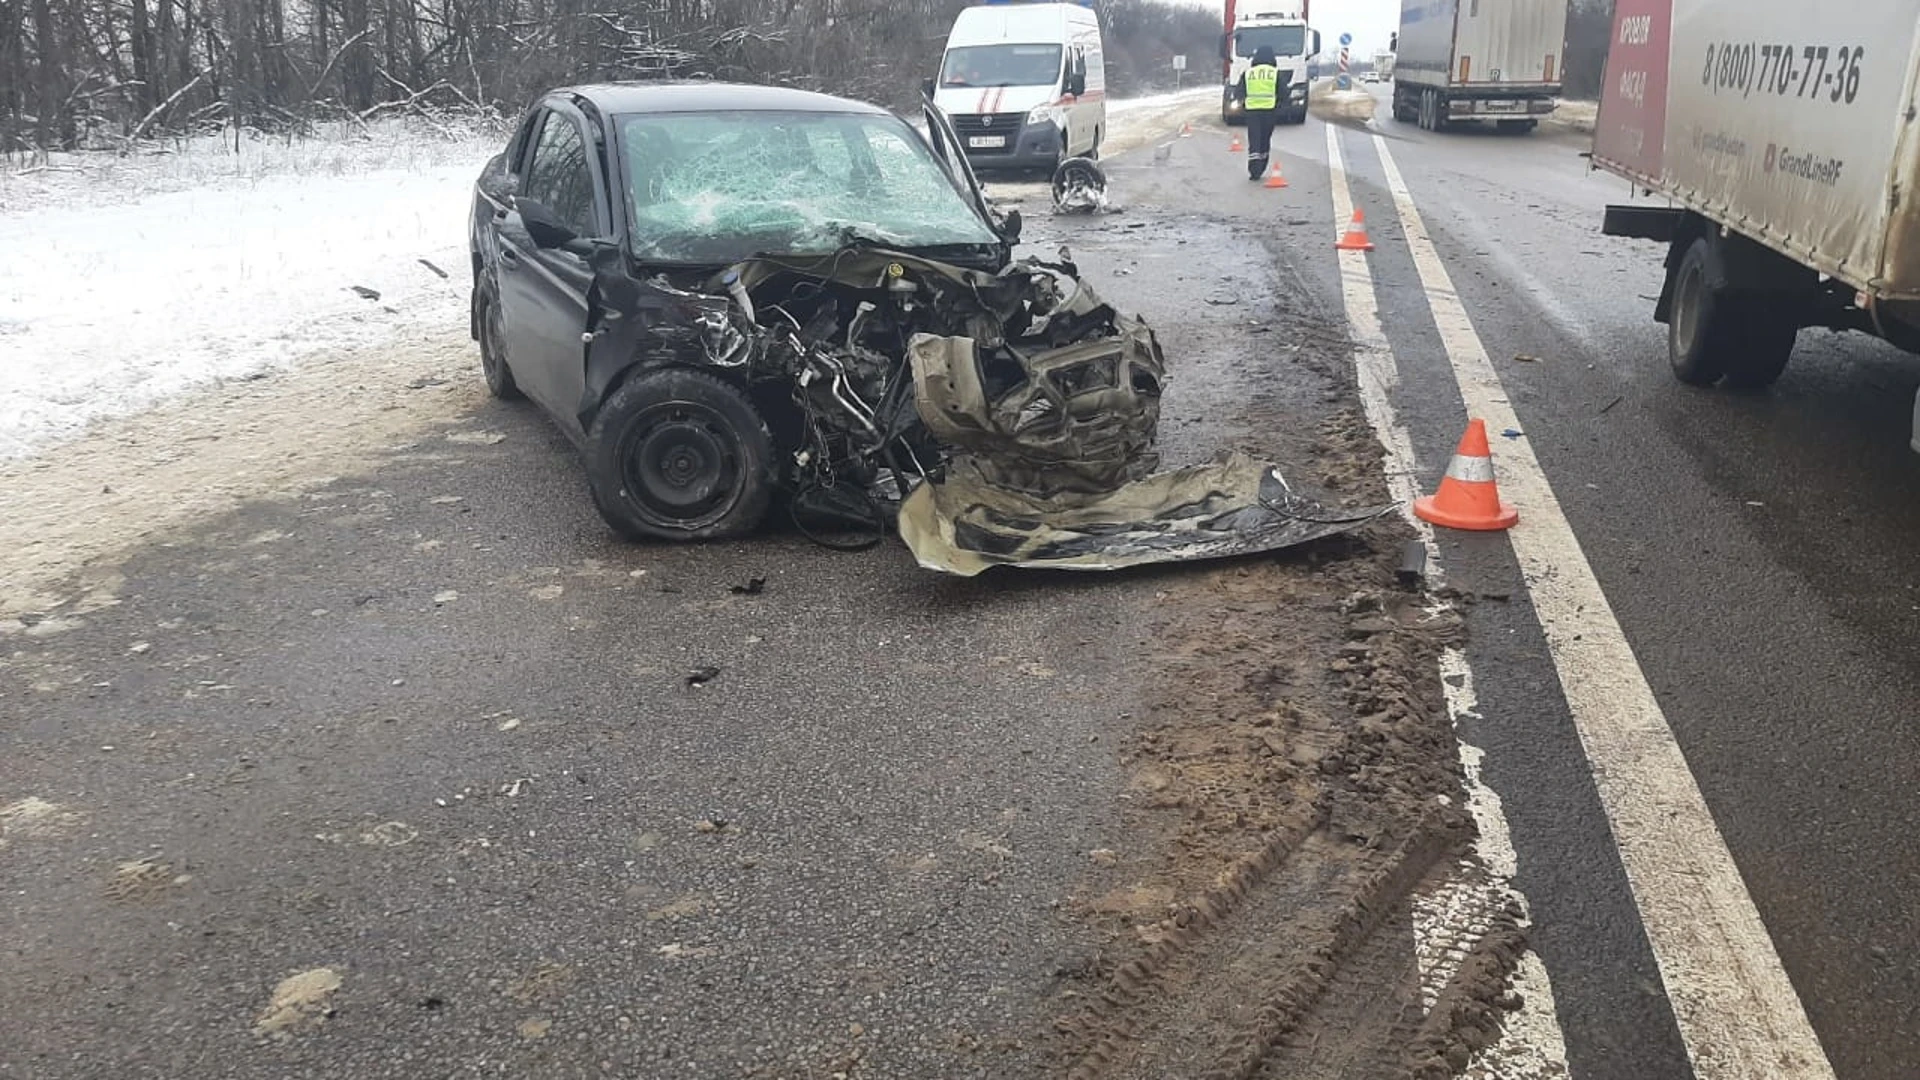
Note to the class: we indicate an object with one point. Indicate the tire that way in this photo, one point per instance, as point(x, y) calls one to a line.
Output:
point(1426, 110)
point(1702, 332)
point(493, 353)
point(1439, 112)
point(1768, 334)
point(680, 455)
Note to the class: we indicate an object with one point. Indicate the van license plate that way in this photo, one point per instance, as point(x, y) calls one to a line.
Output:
point(987, 142)
point(1503, 106)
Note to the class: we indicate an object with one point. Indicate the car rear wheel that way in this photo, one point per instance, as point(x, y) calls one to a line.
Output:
point(493, 353)
point(680, 455)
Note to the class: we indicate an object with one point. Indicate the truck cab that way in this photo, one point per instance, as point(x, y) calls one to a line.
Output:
point(1280, 25)
point(1025, 85)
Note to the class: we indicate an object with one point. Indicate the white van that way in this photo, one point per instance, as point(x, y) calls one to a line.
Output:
point(1025, 84)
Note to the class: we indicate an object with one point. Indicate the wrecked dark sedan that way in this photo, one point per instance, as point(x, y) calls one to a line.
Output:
point(741, 298)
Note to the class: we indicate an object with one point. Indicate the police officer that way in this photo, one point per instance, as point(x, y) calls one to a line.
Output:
point(1260, 89)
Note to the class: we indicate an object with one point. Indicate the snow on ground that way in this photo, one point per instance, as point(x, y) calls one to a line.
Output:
point(126, 280)
point(1162, 101)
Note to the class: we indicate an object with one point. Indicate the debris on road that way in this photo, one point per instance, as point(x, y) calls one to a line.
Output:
point(1080, 186)
point(364, 293)
point(1412, 572)
point(753, 587)
point(702, 676)
point(299, 1001)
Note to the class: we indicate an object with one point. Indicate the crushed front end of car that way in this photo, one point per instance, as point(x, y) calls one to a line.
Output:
point(1003, 417)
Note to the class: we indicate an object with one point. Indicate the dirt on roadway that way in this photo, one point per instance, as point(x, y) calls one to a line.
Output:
point(342, 740)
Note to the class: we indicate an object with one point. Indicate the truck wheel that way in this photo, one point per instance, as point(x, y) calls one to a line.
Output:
point(1767, 336)
point(1745, 338)
point(1703, 332)
point(680, 455)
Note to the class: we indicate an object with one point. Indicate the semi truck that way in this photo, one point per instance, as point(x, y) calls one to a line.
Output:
point(1774, 157)
point(1467, 61)
point(1280, 25)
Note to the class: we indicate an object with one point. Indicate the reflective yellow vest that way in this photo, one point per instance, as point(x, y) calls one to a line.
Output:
point(1263, 87)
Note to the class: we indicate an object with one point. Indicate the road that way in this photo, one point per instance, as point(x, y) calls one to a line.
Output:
point(1756, 551)
point(384, 762)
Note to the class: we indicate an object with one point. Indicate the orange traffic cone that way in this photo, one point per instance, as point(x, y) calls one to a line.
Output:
point(1236, 147)
point(1356, 238)
point(1274, 178)
point(1468, 497)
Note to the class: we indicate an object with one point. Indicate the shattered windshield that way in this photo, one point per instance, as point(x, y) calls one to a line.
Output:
point(715, 188)
point(1002, 65)
point(1283, 40)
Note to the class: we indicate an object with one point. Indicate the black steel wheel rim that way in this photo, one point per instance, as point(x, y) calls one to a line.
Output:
point(680, 463)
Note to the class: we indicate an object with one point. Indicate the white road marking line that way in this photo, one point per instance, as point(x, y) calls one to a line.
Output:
point(1531, 1044)
point(1737, 1010)
point(1372, 354)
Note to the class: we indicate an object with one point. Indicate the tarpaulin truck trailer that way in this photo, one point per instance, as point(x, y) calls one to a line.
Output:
point(1783, 154)
point(1462, 60)
point(1280, 25)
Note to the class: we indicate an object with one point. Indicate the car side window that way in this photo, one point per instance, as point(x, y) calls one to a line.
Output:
point(560, 176)
point(517, 150)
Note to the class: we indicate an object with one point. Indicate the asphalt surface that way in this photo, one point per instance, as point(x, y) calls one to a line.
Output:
point(1757, 549)
point(422, 741)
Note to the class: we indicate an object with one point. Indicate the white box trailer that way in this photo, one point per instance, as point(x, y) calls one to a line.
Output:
point(1457, 61)
point(1782, 149)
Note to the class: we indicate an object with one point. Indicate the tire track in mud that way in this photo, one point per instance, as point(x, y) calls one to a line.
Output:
point(1307, 904)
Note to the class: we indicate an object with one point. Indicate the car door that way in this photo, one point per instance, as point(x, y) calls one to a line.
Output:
point(544, 291)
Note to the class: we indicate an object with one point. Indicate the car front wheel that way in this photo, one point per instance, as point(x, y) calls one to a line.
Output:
point(676, 454)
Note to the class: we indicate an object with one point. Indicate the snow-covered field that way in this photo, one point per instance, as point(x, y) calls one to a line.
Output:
point(124, 281)
point(128, 280)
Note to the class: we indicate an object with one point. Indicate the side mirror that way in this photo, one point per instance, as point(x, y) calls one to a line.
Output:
point(1316, 42)
point(1077, 84)
point(543, 225)
point(927, 88)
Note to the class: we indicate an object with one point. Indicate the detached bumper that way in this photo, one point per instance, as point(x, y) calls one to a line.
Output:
point(1008, 141)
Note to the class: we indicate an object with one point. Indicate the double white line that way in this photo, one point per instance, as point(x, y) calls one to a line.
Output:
point(1737, 1011)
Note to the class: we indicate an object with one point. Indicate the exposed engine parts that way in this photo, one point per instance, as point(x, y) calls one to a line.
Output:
point(1001, 418)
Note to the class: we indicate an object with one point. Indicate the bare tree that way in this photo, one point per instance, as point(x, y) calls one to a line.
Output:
point(75, 71)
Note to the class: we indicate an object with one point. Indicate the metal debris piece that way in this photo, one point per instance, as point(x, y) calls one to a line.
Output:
point(1234, 506)
point(1079, 187)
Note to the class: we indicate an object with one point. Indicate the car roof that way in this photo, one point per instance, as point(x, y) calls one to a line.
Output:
point(650, 97)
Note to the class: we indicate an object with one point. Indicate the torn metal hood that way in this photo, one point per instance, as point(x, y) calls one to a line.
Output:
point(1234, 506)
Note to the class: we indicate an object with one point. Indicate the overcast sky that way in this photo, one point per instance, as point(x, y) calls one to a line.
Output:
point(1369, 21)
